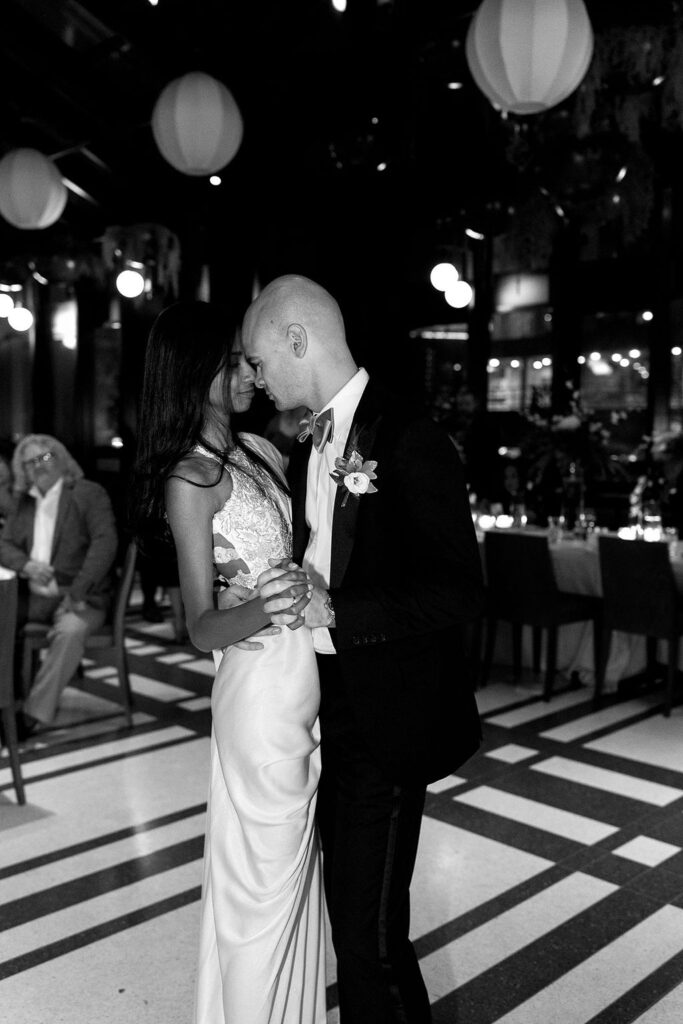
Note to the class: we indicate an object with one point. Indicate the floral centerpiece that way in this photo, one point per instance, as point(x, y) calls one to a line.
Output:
point(567, 458)
point(659, 459)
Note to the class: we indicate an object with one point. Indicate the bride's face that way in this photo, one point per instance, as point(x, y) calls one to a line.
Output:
point(242, 378)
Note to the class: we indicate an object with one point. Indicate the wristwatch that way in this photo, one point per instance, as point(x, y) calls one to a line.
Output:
point(329, 607)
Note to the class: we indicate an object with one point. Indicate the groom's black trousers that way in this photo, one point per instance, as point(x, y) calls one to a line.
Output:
point(369, 829)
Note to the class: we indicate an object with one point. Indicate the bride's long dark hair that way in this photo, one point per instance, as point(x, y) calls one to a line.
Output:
point(189, 344)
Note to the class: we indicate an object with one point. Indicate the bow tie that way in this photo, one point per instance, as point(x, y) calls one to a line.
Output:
point(319, 426)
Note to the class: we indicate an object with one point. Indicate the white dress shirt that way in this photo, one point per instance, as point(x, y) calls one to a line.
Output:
point(321, 491)
point(44, 521)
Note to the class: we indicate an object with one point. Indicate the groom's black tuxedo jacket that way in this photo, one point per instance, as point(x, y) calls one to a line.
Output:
point(405, 580)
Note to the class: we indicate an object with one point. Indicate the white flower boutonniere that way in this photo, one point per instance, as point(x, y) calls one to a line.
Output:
point(355, 475)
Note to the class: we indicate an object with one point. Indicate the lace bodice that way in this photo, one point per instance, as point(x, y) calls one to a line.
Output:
point(255, 522)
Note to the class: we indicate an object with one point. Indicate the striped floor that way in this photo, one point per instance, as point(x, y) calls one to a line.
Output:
point(548, 890)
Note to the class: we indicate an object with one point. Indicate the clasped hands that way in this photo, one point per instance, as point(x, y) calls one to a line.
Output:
point(39, 572)
point(43, 574)
point(289, 598)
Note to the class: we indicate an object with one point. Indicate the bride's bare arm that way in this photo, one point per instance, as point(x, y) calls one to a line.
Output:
point(190, 509)
point(234, 595)
point(229, 597)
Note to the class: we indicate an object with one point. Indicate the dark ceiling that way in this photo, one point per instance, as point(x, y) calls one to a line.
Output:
point(326, 99)
point(80, 80)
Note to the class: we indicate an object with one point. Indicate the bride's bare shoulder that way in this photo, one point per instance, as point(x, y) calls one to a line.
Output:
point(199, 470)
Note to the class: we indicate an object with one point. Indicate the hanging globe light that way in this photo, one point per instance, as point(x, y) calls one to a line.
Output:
point(130, 283)
point(6, 304)
point(20, 319)
point(529, 55)
point(196, 124)
point(459, 295)
point(443, 275)
point(32, 193)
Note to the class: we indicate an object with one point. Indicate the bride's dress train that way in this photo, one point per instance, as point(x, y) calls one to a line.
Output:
point(261, 957)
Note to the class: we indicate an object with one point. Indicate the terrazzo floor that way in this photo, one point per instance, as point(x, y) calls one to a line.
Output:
point(548, 888)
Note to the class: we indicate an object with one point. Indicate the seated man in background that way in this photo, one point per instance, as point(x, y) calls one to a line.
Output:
point(61, 538)
point(5, 490)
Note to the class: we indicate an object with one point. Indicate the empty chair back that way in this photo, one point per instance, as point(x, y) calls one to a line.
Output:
point(638, 586)
point(519, 576)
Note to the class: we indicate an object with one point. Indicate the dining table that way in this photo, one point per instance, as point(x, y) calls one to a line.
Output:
point(576, 564)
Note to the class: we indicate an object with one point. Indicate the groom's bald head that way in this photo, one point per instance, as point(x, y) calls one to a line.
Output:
point(293, 333)
point(295, 299)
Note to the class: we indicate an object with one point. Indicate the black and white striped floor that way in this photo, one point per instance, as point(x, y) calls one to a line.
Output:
point(548, 890)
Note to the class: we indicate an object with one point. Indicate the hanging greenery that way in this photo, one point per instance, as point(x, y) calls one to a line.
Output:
point(594, 160)
point(634, 78)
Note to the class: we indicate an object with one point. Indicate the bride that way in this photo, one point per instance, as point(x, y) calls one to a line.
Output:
point(261, 946)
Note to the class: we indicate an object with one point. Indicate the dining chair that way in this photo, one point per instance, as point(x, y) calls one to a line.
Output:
point(521, 590)
point(640, 596)
point(110, 635)
point(8, 701)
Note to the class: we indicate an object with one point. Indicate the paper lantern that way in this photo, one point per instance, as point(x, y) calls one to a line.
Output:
point(197, 124)
point(529, 55)
point(32, 193)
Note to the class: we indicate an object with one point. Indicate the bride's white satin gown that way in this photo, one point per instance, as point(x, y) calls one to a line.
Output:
point(261, 955)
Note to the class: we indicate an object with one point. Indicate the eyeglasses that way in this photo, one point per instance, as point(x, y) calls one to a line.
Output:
point(38, 460)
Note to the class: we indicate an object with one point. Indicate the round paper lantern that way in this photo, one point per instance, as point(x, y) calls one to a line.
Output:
point(197, 124)
point(32, 193)
point(529, 55)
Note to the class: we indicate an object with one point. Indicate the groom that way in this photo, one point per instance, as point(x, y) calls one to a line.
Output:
point(382, 525)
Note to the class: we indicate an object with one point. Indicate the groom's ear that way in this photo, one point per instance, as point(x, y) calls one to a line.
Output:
point(297, 339)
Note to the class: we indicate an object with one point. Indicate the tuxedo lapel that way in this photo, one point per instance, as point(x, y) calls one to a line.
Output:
point(361, 438)
point(297, 474)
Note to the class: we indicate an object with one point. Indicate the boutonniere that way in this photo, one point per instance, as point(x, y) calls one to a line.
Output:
point(355, 475)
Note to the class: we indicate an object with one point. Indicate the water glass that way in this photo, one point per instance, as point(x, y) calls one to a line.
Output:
point(585, 523)
point(589, 519)
point(652, 528)
point(518, 513)
point(652, 521)
point(556, 528)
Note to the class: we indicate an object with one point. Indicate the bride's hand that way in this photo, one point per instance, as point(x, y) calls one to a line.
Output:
point(235, 595)
point(286, 590)
point(252, 644)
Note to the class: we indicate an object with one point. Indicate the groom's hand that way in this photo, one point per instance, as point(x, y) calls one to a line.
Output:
point(319, 610)
point(293, 618)
point(285, 590)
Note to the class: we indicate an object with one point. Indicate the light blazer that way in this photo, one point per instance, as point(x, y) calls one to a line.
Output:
point(84, 543)
point(405, 580)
